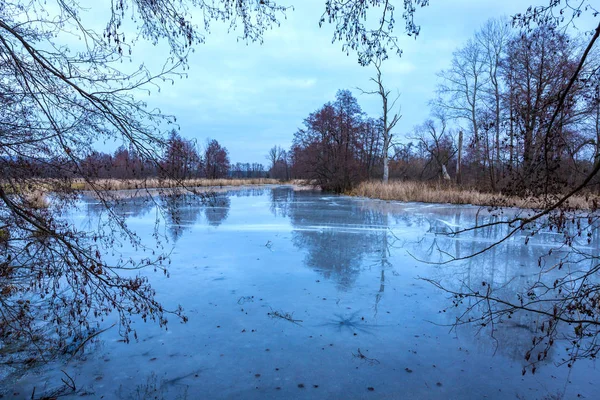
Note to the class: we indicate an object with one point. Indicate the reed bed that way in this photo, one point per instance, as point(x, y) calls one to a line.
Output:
point(155, 183)
point(409, 191)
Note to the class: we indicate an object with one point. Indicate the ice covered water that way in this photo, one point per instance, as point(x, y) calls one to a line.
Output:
point(298, 294)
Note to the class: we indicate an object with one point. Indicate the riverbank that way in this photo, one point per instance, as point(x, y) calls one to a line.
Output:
point(156, 183)
point(443, 193)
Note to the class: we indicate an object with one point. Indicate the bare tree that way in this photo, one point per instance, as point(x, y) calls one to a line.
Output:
point(274, 155)
point(461, 90)
point(437, 140)
point(389, 120)
point(181, 160)
point(493, 39)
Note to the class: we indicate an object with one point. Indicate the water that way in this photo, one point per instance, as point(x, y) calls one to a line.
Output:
point(297, 294)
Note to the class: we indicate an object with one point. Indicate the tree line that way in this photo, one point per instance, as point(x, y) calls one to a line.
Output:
point(181, 159)
point(509, 114)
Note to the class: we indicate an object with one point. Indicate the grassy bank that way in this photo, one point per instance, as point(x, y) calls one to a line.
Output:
point(448, 193)
point(155, 183)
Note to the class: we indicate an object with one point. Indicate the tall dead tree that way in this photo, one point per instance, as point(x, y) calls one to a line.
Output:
point(389, 118)
point(459, 158)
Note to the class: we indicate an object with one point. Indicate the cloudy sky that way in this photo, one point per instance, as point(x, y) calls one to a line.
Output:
point(251, 97)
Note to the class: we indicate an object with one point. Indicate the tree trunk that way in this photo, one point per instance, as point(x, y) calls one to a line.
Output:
point(386, 157)
point(459, 159)
point(445, 174)
point(386, 168)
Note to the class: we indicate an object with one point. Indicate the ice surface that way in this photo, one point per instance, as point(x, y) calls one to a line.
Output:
point(294, 294)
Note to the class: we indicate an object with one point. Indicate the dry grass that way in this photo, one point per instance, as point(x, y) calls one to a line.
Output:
point(152, 183)
point(448, 193)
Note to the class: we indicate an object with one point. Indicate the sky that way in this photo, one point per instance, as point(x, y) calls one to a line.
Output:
point(251, 97)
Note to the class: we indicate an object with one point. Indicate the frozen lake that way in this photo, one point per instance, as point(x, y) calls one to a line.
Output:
point(346, 271)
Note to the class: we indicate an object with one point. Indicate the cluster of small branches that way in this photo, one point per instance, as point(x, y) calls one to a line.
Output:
point(555, 13)
point(284, 315)
point(370, 42)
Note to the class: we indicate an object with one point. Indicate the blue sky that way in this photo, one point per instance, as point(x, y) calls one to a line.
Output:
point(251, 97)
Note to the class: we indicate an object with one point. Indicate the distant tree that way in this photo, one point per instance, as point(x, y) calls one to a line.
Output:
point(326, 151)
point(493, 39)
point(274, 155)
point(370, 143)
point(181, 160)
point(258, 170)
point(97, 164)
point(127, 164)
point(237, 170)
point(461, 95)
point(216, 160)
point(437, 141)
point(278, 159)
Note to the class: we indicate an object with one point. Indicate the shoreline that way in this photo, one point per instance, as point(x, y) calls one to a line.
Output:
point(403, 191)
point(411, 191)
point(156, 183)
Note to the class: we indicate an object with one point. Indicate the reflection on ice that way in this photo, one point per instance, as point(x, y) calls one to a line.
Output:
point(348, 269)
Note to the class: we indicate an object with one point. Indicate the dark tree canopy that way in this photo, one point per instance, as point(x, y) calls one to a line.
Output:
point(216, 160)
point(337, 146)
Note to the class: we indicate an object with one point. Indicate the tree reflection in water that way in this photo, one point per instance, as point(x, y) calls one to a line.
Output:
point(519, 270)
point(181, 209)
point(337, 237)
point(217, 209)
point(340, 237)
point(281, 200)
point(125, 204)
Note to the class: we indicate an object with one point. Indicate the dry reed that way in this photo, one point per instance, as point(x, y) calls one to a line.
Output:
point(447, 193)
point(155, 183)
